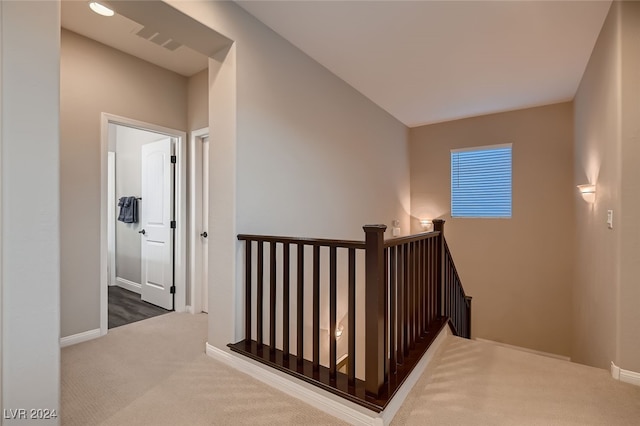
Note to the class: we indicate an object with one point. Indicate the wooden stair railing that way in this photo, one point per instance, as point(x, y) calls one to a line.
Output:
point(411, 291)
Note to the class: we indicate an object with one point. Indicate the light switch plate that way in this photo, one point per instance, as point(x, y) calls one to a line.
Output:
point(610, 219)
point(395, 231)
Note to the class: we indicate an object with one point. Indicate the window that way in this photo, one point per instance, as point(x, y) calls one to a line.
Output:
point(481, 182)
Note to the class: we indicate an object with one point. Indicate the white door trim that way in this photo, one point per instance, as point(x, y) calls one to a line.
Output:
point(111, 215)
point(181, 210)
point(195, 219)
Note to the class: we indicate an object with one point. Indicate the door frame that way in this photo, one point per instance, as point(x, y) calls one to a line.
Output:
point(197, 273)
point(180, 269)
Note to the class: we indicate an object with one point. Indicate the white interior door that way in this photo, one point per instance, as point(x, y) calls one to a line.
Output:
point(156, 216)
point(205, 224)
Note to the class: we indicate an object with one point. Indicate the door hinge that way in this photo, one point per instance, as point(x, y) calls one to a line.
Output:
point(173, 289)
point(173, 224)
point(174, 159)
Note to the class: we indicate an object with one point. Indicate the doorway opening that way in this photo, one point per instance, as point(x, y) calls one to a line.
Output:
point(199, 221)
point(144, 216)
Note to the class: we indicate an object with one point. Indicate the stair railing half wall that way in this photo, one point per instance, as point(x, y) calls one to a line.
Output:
point(398, 295)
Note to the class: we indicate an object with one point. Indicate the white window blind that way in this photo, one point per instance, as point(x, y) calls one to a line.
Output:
point(481, 182)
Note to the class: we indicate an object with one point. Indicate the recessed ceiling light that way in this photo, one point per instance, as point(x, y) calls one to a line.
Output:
point(100, 9)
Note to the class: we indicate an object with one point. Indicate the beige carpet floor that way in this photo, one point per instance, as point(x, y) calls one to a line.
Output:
point(477, 383)
point(155, 372)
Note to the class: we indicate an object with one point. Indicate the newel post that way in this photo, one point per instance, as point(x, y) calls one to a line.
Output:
point(438, 226)
point(374, 309)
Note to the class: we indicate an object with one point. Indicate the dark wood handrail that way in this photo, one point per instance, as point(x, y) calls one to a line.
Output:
point(411, 238)
point(411, 290)
point(324, 242)
point(337, 243)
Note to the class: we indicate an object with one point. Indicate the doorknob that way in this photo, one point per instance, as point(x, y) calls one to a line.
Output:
point(142, 232)
point(204, 234)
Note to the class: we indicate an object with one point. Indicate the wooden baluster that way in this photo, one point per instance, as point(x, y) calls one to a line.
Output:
point(392, 308)
point(400, 304)
point(468, 336)
point(351, 357)
point(427, 278)
point(452, 290)
point(247, 290)
point(407, 296)
point(427, 283)
point(427, 272)
point(419, 260)
point(416, 272)
point(429, 299)
point(374, 309)
point(286, 306)
point(300, 306)
point(456, 297)
point(448, 288)
point(438, 226)
point(333, 296)
point(459, 300)
point(272, 297)
point(260, 293)
point(412, 296)
point(449, 285)
point(316, 307)
point(434, 280)
point(412, 300)
point(457, 306)
point(385, 256)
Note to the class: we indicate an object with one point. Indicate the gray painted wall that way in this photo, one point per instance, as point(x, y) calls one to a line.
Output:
point(606, 318)
point(30, 237)
point(534, 265)
point(127, 87)
point(295, 151)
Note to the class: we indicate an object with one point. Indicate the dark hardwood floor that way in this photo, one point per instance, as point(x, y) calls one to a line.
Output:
point(126, 307)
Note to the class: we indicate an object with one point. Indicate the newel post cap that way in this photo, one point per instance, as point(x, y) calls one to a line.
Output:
point(438, 225)
point(374, 228)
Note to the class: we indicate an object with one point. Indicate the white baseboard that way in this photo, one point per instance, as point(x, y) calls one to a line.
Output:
point(626, 376)
point(318, 398)
point(520, 348)
point(398, 399)
point(80, 337)
point(325, 401)
point(129, 285)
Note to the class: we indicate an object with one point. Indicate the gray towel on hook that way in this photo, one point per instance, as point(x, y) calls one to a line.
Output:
point(128, 210)
point(134, 210)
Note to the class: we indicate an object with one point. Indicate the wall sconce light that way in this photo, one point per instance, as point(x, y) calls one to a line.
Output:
point(101, 9)
point(339, 330)
point(426, 224)
point(588, 192)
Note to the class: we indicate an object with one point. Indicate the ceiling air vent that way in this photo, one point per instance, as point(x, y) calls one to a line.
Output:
point(159, 39)
point(146, 33)
point(172, 45)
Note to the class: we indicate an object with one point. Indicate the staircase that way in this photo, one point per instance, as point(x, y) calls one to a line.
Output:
point(351, 317)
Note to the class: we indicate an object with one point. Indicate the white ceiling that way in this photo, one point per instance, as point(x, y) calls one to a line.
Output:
point(422, 61)
point(433, 61)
